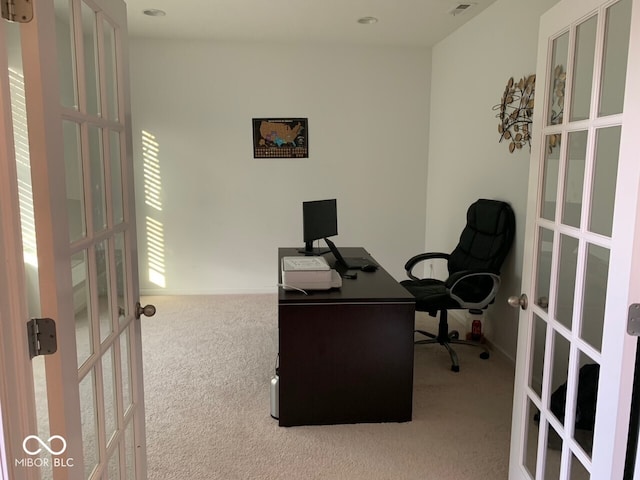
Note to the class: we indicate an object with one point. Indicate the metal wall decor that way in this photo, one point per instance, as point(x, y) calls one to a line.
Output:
point(515, 112)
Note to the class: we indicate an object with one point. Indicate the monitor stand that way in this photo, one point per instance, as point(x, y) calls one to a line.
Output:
point(309, 250)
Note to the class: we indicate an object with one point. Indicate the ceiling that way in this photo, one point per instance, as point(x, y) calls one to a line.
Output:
point(402, 23)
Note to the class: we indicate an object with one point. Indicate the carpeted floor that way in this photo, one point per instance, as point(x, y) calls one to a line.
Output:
point(208, 362)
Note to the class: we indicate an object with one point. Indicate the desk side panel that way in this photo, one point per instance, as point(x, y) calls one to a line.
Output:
point(345, 363)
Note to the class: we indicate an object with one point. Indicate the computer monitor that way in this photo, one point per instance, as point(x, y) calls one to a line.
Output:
point(319, 220)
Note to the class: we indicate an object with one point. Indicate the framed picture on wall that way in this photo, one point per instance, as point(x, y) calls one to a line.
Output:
point(280, 138)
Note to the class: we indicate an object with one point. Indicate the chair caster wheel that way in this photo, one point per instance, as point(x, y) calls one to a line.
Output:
point(455, 368)
point(454, 335)
point(484, 355)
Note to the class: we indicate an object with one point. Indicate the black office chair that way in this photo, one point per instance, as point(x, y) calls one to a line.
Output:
point(474, 272)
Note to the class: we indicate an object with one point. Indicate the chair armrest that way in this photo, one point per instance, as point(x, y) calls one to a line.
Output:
point(479, 292)
point(413, 261)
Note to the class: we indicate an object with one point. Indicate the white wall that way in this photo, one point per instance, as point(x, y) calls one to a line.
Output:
point(224, 213)
point(470, 70)
point(374, 114)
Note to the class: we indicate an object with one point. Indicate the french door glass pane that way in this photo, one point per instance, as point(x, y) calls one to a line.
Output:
point(537, 353)
point(616, 49)
point(23, 164)
point(66, 55)
point(550, 177)
point(130, 449)
point(530, 452)
point(586, 402)
point(103, 289)
point(595, 293)
point(110, 408)
point(559, 375)
point(554, 454)
point(125, 355)
point(604, 182)
point(116, 177)
point(97, 179)
point(559, 75)
point(566, 280)
point(114, 466)
point(583, 69)
point(574, 178)
point(121, 276)
point(110, 70)
point(89, 422)
point(82, 305)
point(75, 185)
point(90, 42)
point(578, 472)
point(543, 270)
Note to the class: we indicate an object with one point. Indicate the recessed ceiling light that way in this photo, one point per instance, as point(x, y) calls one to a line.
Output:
point(154, 12)
point(368, 20)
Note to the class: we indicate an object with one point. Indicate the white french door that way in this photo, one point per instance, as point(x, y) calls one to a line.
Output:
point(71, 182)
point(575, 365)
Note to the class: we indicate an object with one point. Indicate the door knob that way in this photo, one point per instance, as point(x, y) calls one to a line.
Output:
point(147, 310)
point(522, 301)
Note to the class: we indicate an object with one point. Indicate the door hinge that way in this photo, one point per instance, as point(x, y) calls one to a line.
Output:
point(633, 320)
point(41, 334)
point(20, 11)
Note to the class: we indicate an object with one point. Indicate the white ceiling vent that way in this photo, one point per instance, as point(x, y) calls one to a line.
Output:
point(461, 8)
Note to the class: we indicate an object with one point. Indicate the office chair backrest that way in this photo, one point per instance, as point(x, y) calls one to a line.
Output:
point(486, 239)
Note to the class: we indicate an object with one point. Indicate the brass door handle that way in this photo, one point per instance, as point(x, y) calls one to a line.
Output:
point(522, 301)
point(147, 310)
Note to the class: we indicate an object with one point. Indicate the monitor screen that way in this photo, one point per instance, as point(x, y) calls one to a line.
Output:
point(319, 220)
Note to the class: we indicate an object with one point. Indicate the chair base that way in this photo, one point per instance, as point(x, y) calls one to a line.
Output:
point(446, 341)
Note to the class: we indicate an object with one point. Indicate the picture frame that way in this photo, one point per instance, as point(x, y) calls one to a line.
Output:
point(280, 137)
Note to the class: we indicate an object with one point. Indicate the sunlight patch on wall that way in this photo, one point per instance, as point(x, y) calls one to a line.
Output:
point(151, 169)
point(153, 199)
point(155, 251)
point(23, 167)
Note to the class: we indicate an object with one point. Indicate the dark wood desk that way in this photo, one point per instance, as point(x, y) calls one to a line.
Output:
point(346, 355)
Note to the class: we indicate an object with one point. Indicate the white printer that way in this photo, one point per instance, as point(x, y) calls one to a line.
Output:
point(308, 273)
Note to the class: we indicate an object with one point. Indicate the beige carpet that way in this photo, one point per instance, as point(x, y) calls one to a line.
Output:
point(208, 361)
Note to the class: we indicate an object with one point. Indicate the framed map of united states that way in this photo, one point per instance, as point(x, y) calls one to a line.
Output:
point(280, 138)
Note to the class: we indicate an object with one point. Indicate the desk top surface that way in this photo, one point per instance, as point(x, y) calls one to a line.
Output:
point(372, 287)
